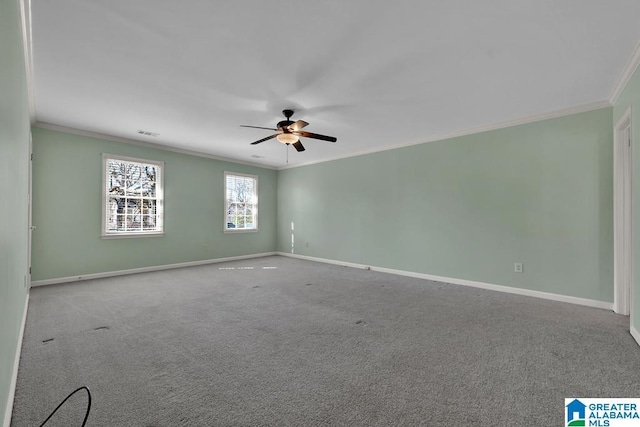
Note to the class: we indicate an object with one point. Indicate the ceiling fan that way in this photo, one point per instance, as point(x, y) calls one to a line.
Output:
point(289, 132)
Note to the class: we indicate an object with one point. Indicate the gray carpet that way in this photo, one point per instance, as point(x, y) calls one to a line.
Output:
point(283, 342)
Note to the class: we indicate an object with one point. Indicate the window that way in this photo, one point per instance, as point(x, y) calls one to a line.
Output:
point(132, 197)
point(241, 202)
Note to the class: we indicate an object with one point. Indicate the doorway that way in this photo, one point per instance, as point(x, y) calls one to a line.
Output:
point(30, 213)
point(622, 253)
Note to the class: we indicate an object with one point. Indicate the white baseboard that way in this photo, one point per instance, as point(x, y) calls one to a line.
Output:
point(452, 280)
point(635, 334)
point(16, 364)
point(145, 269)
point(481, 285)
point(326, 261)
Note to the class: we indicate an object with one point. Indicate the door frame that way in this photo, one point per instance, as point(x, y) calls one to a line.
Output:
point(30, 212)
point(622, 215)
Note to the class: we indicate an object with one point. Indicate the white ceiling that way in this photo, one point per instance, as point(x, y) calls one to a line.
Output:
point(374, 74)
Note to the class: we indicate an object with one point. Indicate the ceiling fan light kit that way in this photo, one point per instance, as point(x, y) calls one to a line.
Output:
point(287, 138)
point(289, 132)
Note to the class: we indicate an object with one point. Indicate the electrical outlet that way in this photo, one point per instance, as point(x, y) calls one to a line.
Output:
point(517, 267)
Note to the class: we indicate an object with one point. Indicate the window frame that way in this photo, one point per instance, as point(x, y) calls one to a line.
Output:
point(225, 227)
point(105, 234)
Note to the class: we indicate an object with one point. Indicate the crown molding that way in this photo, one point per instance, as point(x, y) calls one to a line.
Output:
point(171, 148)
point(444, 136)
point(521, 121)
point(627, 73)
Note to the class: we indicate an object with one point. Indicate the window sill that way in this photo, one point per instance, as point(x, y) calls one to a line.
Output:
point(240, 230)
point(130, 235)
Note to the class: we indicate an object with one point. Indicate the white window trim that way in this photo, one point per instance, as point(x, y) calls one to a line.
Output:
point(224, 217)
point(159, 196)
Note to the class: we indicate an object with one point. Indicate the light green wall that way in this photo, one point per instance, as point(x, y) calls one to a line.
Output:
point(14, 175)
point(67, 181)
point(630, 97)
point(468, 207)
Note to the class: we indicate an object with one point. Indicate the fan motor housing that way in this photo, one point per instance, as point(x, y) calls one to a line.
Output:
point(283, 124)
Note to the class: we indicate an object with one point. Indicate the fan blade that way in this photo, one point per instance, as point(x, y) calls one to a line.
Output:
point(264, 139)
point(256, 127)
point(315, 136)
point(298, 146)
point(298, 125)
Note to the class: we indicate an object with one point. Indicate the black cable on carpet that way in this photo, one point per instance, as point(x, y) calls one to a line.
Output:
point(86, 415)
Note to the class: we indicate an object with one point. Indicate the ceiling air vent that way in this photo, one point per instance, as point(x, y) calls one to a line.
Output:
point(147, 133)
